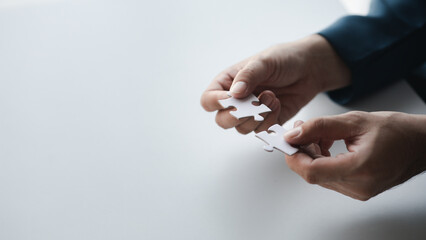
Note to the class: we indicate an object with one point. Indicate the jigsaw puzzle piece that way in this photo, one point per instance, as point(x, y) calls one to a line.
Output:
point(268, 148)
point(245, 107)
point(243, 113)
point(264, 135)
point(276, 140)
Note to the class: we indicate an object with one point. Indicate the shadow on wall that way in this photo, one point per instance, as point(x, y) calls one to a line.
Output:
point(390, 226)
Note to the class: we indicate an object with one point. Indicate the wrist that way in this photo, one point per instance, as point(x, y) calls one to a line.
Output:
point(326, 67)
point(420, 137)
point(415, 129)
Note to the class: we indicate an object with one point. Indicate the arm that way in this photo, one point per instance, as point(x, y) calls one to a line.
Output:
point(380, 48)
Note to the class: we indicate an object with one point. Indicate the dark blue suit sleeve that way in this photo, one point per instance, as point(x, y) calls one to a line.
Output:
point(384, 46)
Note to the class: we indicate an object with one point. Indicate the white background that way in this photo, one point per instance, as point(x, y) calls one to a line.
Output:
point(102, 135)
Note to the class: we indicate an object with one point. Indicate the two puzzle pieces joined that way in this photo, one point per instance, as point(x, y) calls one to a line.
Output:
point(246, 108)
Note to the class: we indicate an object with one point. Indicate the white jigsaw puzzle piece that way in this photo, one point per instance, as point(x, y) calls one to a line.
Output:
point(245, 107)
point(276, 140)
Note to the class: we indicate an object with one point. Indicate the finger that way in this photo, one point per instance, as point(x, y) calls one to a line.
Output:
point(210, 100)
point(298, 162)
point(318, 149)
point(331, 128)
point(297, 123)
point(225, 120)
point(323, 169)
point(223, 80)
point(323, 146)
point(218, 89)
point(313, 150)
point(248, 126)
point(248, 78)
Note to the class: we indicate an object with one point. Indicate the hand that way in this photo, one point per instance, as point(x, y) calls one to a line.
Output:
point(285, 78)
point(384, 149)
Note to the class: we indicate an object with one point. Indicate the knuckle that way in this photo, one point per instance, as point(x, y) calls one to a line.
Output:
point(319, 123)
point(310, 177)
point(252, 66)
point(388, 119)
point(221, 121)
point(263, 60)
point(356, 121)
point(356, 113)
point(367, 193)
point(363, 198)
point(291, 163)
point(356, 117)
point(247, 71)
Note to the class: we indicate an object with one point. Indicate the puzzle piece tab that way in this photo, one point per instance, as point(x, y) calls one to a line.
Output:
point(276, 140)
point(245, 107)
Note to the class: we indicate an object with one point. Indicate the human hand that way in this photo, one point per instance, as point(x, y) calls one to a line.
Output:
point(384, 149)
point(285, 78)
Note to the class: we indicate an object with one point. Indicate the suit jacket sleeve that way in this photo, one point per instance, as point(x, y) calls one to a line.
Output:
point(384, 46)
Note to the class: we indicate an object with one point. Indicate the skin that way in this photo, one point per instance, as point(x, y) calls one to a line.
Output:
point(284, 77)
point(384, 148)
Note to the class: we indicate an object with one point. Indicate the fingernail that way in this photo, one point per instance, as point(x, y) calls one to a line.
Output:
point(293, 133)
point(298, 123)
point(239, 87)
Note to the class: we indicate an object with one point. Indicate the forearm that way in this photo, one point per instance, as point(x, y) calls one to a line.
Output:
point(327, 67)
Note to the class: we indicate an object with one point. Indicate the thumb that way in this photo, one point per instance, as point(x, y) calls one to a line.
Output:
point(248, 78)
point(325, 128)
